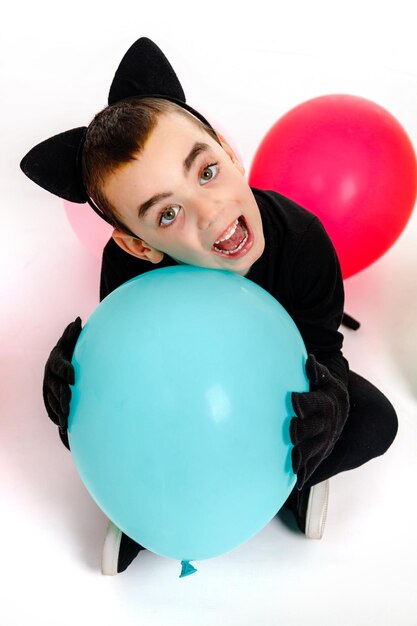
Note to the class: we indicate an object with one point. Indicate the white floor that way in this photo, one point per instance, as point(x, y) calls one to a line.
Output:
point(363, 572)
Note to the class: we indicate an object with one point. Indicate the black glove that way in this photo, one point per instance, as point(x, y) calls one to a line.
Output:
point(59, 375)
point(321, 415)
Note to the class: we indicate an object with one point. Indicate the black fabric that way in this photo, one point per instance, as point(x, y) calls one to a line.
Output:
point(64, 438)
point(370, 429)
point(300, 268)
point(128, 550)
point(53, 165)
point(321, 414)
point(297, 503)
point(58, 376)
point(145, 70)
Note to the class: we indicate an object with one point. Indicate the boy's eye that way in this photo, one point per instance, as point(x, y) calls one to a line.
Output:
point(209, 172)
point(169, 215)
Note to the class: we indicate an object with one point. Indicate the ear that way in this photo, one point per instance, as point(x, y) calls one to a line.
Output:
point(228, 149)
point(54, 165)
point(137, 247)
point(145, 71)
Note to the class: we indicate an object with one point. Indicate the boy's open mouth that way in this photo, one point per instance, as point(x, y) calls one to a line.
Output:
point(233, 240)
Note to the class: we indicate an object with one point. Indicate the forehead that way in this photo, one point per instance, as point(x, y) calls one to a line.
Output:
point(175, 130)
point(167, 149)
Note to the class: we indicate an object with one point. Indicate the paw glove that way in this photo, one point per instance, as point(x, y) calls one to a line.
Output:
point(321, 414)
point(59, 375)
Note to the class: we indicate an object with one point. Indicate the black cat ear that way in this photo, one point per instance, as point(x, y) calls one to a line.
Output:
point(145, 71)
point(54, 165)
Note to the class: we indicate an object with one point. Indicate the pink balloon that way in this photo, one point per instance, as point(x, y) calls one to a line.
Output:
point(351, 163)
point(90, 229)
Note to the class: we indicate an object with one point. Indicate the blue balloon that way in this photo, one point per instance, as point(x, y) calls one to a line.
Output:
point(179, 418)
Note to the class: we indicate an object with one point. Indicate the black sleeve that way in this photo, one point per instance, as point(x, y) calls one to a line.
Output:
point(318, 298)
point(119, 266)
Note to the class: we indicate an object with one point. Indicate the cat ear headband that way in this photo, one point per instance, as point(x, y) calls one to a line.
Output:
point(55, 164)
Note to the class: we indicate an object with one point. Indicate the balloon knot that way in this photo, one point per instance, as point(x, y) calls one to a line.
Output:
point(187, 569)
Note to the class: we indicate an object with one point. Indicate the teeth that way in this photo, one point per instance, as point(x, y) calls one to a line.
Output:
point(230, 231)
point(239, 247)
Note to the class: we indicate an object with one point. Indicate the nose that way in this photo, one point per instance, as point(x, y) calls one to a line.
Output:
point(207, 212)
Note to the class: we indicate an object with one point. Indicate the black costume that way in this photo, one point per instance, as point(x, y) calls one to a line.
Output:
point(299, 267)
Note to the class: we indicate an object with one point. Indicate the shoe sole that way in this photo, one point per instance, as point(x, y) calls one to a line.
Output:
point(111, 549)
point(317, 510)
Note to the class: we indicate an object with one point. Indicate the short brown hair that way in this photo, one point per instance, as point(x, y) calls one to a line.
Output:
point(115, 136)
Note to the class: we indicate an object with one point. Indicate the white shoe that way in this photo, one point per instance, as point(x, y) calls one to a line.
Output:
point(317, 510)
point(111, 549)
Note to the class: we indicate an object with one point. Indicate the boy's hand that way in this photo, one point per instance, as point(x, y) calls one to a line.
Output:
point(59, 375)
point(321, 415)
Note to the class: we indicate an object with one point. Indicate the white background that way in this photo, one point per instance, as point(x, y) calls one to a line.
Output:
point(243, 67)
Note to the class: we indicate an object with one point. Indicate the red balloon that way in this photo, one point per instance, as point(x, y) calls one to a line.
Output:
point(351, 163)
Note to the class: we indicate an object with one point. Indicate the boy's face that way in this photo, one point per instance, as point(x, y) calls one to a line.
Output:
point(186, 196)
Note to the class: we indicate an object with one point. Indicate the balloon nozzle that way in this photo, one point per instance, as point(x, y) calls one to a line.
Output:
point(186, 569)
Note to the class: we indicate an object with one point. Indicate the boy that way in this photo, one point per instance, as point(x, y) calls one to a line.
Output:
point(175, 192)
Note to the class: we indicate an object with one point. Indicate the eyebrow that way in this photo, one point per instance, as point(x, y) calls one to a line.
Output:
point(197, 148)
